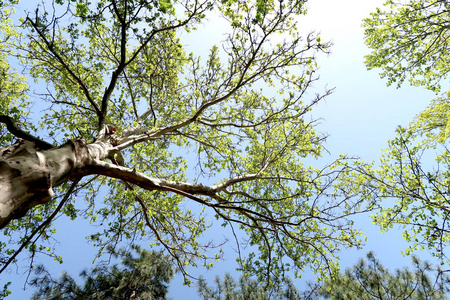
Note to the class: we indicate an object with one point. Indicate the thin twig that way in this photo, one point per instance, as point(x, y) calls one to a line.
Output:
point(45, 223)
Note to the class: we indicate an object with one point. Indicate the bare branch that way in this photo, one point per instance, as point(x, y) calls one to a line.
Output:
point(65, 65)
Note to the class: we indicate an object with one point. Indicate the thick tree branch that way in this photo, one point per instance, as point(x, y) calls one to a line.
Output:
point(16, 131)
point(145, 182)
point(187, 190)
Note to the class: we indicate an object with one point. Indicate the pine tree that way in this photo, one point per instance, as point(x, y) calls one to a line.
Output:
point(369, 280)
point(142, 277)
point(247, 288)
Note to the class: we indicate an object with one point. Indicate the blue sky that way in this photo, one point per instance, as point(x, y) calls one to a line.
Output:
point(362, 113)
point(360, 116)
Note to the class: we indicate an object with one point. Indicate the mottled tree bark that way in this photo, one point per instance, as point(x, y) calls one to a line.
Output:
point(28, 174)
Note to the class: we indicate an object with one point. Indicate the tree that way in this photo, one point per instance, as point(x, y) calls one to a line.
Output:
point(144, 131)
point(370, 280)
point(246, 288)
point(409, 40)
point(143, 277)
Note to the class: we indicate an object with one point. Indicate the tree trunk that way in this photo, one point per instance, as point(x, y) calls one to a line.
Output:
point(28, 175)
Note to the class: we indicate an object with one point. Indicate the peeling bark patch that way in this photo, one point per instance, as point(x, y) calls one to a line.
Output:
point(28, 175)
point(12, 189)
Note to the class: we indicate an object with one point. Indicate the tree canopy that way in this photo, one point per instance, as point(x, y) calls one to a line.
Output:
point(409, 40)
point(148, 141)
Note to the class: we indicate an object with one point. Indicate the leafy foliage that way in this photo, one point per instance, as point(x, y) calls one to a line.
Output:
point(195, 139)
point(410, 187)
point(13, 86)
point(143, 277)
point(410, 40)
